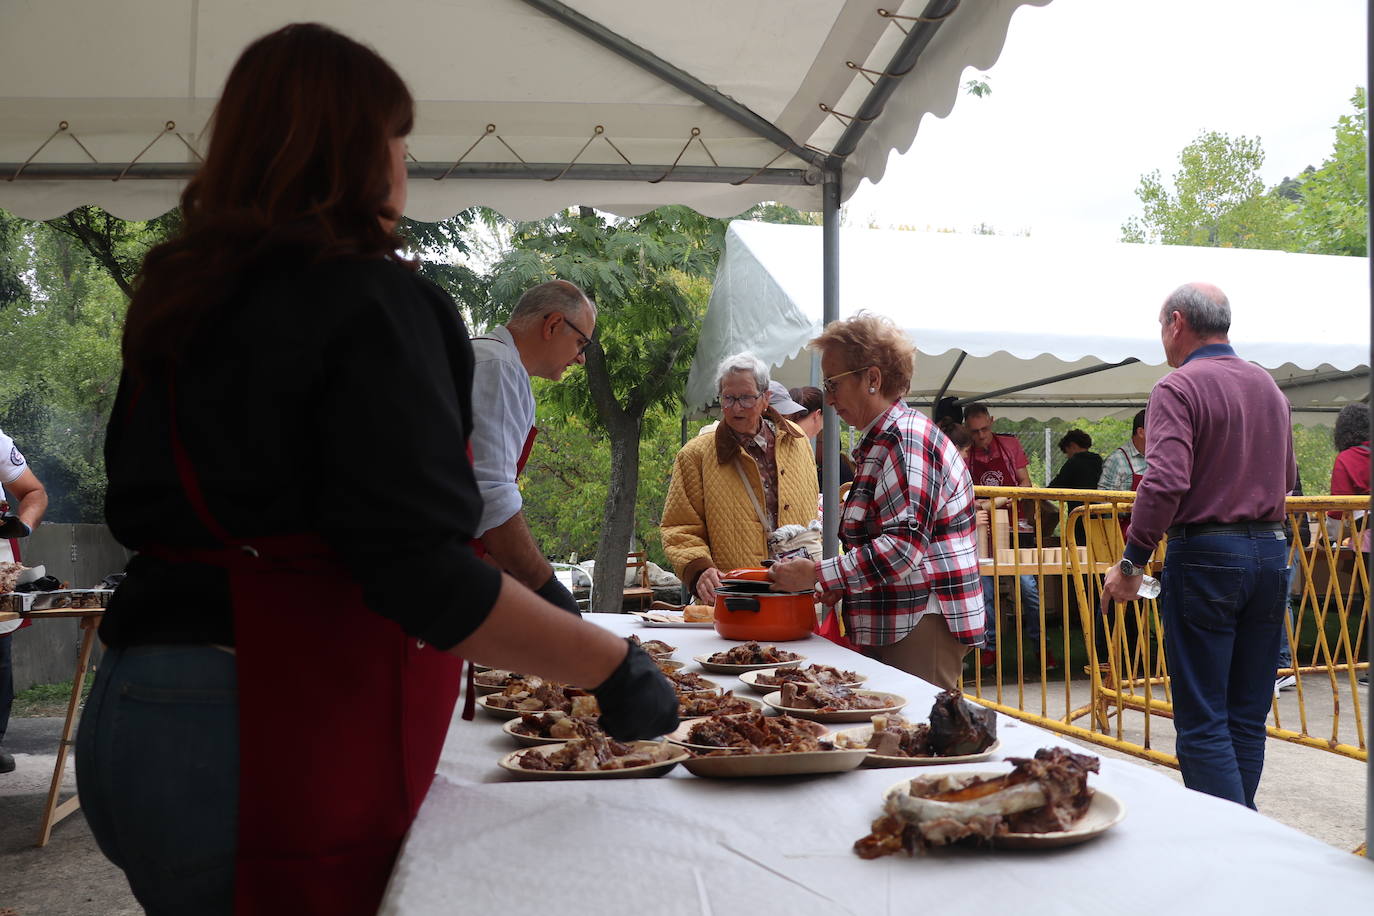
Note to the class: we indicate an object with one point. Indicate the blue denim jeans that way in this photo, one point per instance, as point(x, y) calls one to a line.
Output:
point(1222, 608)
point(1030, 611)
point(157, 768)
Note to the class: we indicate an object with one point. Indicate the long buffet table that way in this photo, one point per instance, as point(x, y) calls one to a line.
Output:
point(681, 844)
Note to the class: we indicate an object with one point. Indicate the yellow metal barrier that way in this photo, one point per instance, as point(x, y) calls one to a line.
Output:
point(1124, 698)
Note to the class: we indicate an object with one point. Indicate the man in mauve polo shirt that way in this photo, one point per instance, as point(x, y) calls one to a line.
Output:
point(1220, 456)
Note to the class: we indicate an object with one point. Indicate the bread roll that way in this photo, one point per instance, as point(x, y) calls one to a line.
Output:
point(698, 613)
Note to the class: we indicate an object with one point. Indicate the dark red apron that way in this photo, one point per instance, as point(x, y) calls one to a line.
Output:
point(342, 717)
point(997, 470)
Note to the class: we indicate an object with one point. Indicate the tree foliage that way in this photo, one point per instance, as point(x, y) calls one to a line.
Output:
point(1217, 199)
point(60, 335)
point(1333, 212)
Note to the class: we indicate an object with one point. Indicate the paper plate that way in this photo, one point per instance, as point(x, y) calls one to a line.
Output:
point(511, 763)
point(705, 662)
point(864, 732)
point(750, 678)
point(672, 620)
point(485, 689)
point(679, 735)
point(1104, 812)
point(528, 740)
point(753, 704)
point(894, 704)
point(502, 713)
point(743, 766)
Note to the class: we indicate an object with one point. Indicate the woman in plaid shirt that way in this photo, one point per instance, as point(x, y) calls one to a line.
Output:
point(908, 523)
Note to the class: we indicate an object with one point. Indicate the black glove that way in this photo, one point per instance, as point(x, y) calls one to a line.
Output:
point(12, 527)
point(557, 594)
point(636, 700)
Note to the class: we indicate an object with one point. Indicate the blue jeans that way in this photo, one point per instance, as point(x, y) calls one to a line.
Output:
point(157, 768)
point(1030, 610)
point(1222, 609)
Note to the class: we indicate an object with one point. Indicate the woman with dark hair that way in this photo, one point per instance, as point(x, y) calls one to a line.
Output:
point(1083, 468)
point(285, 652)
point(1350, 472)
point(811, 422)
point(1081, 471)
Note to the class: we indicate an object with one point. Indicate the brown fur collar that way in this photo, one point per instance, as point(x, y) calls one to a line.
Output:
point(727, 443)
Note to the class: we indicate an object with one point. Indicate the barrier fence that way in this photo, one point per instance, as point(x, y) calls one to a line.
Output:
point(1066, 665)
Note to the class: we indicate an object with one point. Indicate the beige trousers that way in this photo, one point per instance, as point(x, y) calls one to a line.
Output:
point(928, 651)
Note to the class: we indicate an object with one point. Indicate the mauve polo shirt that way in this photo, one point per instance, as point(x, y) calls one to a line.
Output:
point(1219, 444)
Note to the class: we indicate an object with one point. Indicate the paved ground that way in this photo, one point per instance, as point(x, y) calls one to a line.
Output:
point(1319, 793)
point(69, 876)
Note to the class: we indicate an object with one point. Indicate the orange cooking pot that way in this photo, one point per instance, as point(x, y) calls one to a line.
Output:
point(746, 609)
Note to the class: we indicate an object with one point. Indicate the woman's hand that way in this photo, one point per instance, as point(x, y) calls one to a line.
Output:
point(797, 575)
point(707, 583)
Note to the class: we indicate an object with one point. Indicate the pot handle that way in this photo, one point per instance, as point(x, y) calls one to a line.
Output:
point(740, 603)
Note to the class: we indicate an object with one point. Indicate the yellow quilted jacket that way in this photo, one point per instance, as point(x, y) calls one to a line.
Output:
point(708, 520)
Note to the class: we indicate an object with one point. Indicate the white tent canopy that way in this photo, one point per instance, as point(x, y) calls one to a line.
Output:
point(1024, 310)
point(616, 90)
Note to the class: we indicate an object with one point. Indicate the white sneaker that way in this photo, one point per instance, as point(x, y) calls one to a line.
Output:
point(1283, 683)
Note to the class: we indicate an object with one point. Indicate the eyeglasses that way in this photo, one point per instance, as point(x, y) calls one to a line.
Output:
point(586, 338)
point(829, 383)
point(746, 401)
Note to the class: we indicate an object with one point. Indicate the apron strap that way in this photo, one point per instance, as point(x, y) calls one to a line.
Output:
point(753, 498)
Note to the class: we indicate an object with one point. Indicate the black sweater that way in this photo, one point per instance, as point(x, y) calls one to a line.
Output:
point(333, 400)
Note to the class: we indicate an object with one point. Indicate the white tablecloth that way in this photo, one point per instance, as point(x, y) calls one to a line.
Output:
point(685, 845)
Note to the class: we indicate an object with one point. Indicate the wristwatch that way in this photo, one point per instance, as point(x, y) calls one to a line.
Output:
point(1130, 569)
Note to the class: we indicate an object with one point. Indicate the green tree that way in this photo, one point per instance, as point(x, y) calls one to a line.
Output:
point(1217, 199)
point(62, 346)
point(569, 471)
point(1332, 214)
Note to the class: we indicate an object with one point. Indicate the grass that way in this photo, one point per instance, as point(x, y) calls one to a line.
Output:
point(48, 699)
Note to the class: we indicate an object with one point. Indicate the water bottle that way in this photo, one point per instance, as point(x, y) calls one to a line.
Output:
point(1149, 587)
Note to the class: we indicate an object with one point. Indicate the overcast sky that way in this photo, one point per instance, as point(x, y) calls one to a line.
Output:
point(1088, 95)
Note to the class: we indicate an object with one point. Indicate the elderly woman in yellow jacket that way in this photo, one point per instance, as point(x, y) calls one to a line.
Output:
point(734, 487)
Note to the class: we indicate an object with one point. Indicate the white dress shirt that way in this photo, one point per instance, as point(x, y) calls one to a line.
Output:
point(502, 415)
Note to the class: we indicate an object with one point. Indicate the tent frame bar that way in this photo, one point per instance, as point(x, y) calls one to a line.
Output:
point(1322, 377)
point(949, 379)
point(1062, 377)
point(902, 63)
point(677, 78)
point(512, 171)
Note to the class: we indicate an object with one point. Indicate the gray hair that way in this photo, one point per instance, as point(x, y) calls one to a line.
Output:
point(1207, 309)
point(546, 298)
point(744, 362)
point(1352, 426)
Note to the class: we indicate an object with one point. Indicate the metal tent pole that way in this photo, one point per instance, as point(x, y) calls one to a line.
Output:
point(1369, 649)
point(830, 297)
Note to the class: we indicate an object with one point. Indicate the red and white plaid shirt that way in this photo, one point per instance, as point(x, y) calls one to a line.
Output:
point(908, 524)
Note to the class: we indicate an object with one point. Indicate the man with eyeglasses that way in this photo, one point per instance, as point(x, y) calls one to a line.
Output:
point(548, 332)
point(997, 460)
